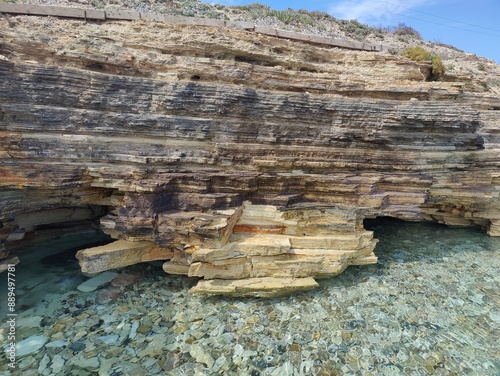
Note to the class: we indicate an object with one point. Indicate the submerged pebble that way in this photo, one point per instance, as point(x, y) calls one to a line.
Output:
point(428, 307)
point(30, 345)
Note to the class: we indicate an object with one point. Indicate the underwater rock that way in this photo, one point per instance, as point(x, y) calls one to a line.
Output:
point(97, 281)
point(30, 345)
point(126, 279)
point(108, 294)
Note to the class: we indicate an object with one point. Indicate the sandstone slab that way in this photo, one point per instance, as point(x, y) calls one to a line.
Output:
point(261, 287)
point(119, 254)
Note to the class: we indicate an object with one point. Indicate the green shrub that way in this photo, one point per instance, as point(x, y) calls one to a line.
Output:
point(319, 15)
point(286, 16)
point(356, 29)
point(419, 54)
point(438, 69)
point(255, 10)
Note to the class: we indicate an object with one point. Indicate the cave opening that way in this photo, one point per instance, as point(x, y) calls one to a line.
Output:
point(427, 242)
point(47, 265)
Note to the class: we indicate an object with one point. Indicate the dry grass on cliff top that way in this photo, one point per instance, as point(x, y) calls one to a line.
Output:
point(455, 61)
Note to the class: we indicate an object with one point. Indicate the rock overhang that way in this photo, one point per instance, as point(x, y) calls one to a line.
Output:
point(250, 172)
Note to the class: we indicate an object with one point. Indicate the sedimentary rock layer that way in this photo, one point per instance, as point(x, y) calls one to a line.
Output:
point(248, 159)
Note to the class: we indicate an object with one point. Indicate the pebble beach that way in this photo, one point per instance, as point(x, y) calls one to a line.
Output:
point(429, 307)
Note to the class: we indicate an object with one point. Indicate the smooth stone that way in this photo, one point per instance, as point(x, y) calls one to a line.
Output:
point(29, 322)
point(248, 353)
point(59, 343)
point(170, 362)
point(108, 295)
point(198, 352)
point(30, 345)
point(88, 364)
point(106, 365)
point(43, 364)
point(225, 339)
point(154, 347)
point(139, 371)
point(109, 339)
point(123, 280)
point(97, 281)
point(495, 315)
point(285, 370)
point(144, 329)
point(238, 350)
point(77, 346)
point(133, 330)
point(107, 318)
point(57, 364)
point(221, 360)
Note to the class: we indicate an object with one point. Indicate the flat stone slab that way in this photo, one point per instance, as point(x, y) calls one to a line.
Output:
point(99, 280)
point(30, 345)
point(119, 254)
point(11, 260)
point(265, 287)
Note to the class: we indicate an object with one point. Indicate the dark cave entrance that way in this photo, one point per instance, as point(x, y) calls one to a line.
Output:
point(424, 242)
point(27, 234)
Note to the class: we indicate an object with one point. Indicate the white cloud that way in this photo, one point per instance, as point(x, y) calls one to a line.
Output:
point(370, 11)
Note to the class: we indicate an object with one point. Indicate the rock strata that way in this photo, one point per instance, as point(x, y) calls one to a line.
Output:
point(242, 159)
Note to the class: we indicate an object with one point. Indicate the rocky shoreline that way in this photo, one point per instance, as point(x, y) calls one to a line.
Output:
point(249, 160)
point(428, 307)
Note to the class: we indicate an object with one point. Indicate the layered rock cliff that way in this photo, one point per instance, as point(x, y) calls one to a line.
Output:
point(245, 160)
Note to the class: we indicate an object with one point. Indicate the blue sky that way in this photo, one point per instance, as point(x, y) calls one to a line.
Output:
point(470, 25)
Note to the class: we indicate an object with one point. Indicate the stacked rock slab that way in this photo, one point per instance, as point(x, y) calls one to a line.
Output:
point(242, 159)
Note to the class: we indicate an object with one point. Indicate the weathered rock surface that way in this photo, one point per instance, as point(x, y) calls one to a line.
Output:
point(246, 160)
point(119, 254)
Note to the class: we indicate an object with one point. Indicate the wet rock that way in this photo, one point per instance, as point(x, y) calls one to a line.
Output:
point(284, 370)
point(199, 353)
point(56, 344)
point(29, 322)
point(57, 364)
point(153, 348)
point(170, 361)
point(108, 295)
point(495, 315)
point(97, 281)
point(126, 279)
point(30, 345)
point(90, 364)
point(43, 364)
point(77, 346)
point(110, 339)
point(133, 330)
point(219, 363)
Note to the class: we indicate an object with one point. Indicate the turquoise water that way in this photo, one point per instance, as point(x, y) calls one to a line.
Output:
point(430, 306)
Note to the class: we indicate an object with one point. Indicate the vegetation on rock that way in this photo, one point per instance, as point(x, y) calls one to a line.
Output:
point(418, 53)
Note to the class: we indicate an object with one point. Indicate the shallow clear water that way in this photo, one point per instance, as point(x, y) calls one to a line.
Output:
point(430, 306)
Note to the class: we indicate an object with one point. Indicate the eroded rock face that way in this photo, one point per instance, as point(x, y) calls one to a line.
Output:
point(242, 159)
